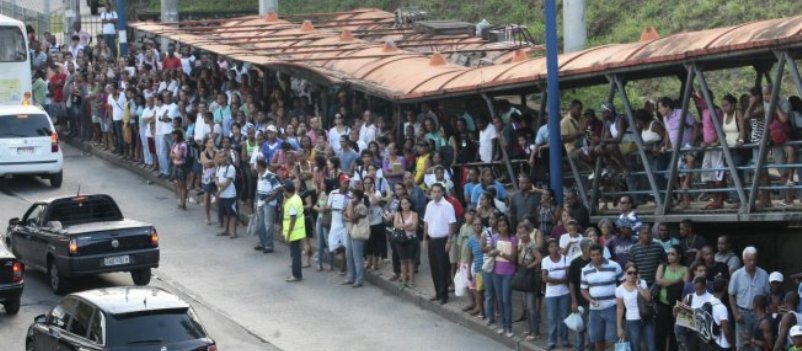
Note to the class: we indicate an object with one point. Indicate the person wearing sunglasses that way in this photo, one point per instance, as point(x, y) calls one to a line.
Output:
point(631, 326)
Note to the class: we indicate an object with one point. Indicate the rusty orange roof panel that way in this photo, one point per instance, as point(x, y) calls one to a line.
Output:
point(406, 75)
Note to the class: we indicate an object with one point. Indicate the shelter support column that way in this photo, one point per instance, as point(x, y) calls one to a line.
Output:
point(675, 148)
point(764, 145)
point(594, 195)
point(638, 141)
point(721, 137)
point(794, 70)
point(504, 156)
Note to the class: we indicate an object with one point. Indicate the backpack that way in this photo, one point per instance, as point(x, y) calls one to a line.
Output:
point(780, 131)
point(708, 330)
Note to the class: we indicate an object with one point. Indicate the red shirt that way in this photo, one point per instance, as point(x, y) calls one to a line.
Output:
point(171, 62)
point(57, 82)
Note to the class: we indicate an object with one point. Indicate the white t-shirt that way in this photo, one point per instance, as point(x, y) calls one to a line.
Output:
point(720, 315)
point(697, 301)
point(630, 299)
point(117, 106)
point(201, 129)
point(574, 251)
point(367, 133)
point(163, 128)
point(109, 28)
point(557, 270)
point(486, 137)
point(223, 173)
point(186, 64)
point(334, 138)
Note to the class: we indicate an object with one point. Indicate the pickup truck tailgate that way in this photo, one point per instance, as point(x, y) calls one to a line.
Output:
point(126, 235)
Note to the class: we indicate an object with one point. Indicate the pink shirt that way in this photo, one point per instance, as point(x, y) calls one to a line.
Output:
point(708, 129)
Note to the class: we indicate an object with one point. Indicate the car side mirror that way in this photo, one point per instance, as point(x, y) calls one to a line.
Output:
point(41, 319)
point(14, 221)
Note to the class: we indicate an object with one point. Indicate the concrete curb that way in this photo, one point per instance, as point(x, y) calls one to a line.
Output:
point(407, 295)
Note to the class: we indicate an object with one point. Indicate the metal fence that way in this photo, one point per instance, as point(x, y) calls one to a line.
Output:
point(39, 21)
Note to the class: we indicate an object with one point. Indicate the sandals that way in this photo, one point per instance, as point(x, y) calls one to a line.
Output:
point(713, 206)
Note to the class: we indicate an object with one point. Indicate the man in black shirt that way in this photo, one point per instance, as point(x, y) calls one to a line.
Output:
point(690, 242)
point(574, 283)
point(577, 210)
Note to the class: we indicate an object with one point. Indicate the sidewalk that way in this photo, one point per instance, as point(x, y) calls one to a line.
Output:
point(418, 295)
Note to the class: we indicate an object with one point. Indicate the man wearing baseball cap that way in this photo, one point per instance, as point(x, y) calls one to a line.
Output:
point(293, 227)
point(776, 295)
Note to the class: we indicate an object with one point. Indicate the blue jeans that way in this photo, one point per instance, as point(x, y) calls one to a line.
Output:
point(556, 311)
point(111, 42)
point(503, 285)
point(579, 337)
point(118, 136)
point(747, 326)
point(602, 325)
point(490, 305)
point(267, 229)
point(638, 331)
point(532, 313)
point(355, 255)
point(322, 233)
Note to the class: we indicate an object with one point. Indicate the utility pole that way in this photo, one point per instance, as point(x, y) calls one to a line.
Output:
point(574, 31)
point(122, 33)
point(266, 6)
point(553, 95)
point(169, 15)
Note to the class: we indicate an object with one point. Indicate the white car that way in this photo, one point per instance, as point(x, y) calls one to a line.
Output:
point(29, 144)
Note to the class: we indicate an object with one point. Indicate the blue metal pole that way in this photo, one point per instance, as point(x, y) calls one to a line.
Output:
point(553, 95)
point(121, 27)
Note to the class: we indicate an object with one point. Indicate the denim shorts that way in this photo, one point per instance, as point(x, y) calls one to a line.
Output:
point(601, 325)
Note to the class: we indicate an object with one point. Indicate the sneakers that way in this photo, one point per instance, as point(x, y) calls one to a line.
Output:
point(500, 331)
point(509, 334)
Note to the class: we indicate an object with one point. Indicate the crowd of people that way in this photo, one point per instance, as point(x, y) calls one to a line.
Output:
point(232, 136)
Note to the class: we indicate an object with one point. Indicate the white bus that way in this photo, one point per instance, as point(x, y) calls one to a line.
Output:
point(15, 63)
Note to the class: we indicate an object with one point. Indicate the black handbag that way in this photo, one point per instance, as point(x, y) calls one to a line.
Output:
point(399, 236)
point(647, 309)
point(524, 278)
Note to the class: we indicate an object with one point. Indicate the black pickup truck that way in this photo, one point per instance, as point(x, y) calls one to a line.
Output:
point(80, 235)
point(11, 281)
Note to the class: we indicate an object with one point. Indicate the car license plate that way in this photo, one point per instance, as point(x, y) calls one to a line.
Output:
point(116, 260)
point(25, 151)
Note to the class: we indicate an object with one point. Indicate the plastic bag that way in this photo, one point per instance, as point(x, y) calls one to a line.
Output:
point(253, 225)
point(575, 322)
point(622, 345)
point(461, 281)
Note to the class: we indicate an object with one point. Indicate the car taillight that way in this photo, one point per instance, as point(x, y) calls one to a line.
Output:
point(212, 348)
point(154, 238)
point(54, 142)
point(73, 247)
point(16, 270)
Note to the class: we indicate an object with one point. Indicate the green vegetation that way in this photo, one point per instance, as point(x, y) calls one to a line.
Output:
point(609, 21)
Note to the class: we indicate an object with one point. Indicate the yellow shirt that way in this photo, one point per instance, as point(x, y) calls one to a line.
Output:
point(420, 169)
point(568, 125)
point(293, 206)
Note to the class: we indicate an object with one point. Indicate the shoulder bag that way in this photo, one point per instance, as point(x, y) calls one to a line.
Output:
point(489, 265)
point(524, 278)
point(646, 309)
point(361, 229)
point(399, 236)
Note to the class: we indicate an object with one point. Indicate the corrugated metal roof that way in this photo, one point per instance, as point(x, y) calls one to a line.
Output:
point(404, 75)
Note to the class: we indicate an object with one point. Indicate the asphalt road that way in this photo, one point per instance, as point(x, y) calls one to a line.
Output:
point(240, 294)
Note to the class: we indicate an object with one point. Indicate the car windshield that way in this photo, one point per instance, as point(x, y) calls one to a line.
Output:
point(154, 327)
point(24, 126)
